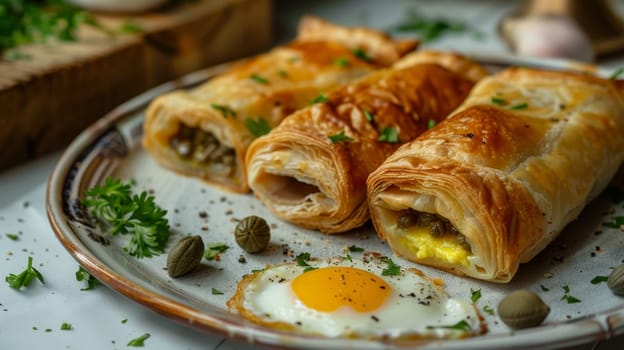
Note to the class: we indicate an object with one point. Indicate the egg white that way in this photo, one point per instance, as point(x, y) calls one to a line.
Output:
point(416, 307)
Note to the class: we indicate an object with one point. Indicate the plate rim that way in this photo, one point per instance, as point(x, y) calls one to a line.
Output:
point(578, 331)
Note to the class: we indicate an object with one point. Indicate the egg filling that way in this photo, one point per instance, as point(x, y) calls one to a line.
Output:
point(353, 298)
point(430, 236)
point(201, 148)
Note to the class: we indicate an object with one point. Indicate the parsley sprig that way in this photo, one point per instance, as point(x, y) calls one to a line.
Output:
point(24, 278)
point(84, 275)
point(114, 206)
point(257, 127)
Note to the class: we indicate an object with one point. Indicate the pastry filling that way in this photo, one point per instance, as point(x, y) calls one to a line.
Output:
point(201, 149)
point(430, 236)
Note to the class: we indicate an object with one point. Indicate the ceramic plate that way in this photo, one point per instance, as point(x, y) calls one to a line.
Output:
point(111, 147)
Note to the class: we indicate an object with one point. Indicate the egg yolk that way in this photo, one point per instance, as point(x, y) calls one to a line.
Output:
point(329, 288)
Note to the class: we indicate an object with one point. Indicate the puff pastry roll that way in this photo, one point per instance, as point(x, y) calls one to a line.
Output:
point(312, 169)
point(205, 131)
point(496, 182)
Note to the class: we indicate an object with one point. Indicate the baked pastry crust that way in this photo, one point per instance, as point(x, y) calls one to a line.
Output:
point(269, 86)
point(305, 177)
point(515, 164)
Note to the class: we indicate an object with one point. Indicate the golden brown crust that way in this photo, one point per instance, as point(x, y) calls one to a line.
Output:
point(305, 178)
point(508, 174)
point(452, 61)
point(285, 79)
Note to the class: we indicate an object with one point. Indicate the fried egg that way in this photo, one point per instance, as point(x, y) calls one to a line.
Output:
point(369, 298)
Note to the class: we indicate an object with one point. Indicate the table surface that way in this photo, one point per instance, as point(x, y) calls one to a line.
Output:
point(102, 318)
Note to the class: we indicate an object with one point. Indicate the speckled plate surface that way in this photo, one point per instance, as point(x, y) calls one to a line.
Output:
point(112, 147)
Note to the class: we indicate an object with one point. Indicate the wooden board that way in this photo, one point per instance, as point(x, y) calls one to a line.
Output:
point(47, 99)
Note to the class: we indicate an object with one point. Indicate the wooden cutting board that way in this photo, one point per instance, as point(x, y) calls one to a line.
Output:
point(48, 98)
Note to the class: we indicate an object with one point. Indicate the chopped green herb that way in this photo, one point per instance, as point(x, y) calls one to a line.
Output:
point(139, 341)
point(319, 99)
point(216, 292)
point(302, 259)
point(388, 134)
point(66, 326)
point(392, 269)
point(26, 204)
point(340, 137)
point(460, 326)
point(348, 257)
point(616, 222)
point(26, 22)
point(256, 270)
point(130, 28)
point(431, 123)
point(309, 268)
point(24, 278)
point(369, 116)
point(361, 54)
point(124, 320)
point(488, 310)
point(113, 206)
point(617, 73)
point(282, 73)
point(544, 288)
point(84, 275)
point(341, 62)
point(258, 127)
point(259, 79)
point(48, 330)
point(12, 236)
point(599, 279)
point(520, 106)
point(498, 101)
point(214, 249)
point(475, 295)
point(429, 29)
point(569, 298)
point(355, 249)
point(224, 110)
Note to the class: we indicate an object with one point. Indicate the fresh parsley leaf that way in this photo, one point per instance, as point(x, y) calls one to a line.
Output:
point(84, 275)
point(392, 269)
point(460, 326)
point(124, 321)
point(66, 326)
point(520, 106)
point(216, 292)
point(616, 222)
point(488, 310)
point(319, 99)
point(302, 259)
point(361, 54)
point(113, 206)
point(388, 134)
point(214, 249)
point(355, 249)
point(498, 101)
point(569, 298)
point(258, 127)
point(599, 279)
point(475, 295)
point(348, 257)
point(341, 62)
point(429, 29)
point(309, 268)
point(259, 79)
point(130, 28)
point(544, 288)
point(12, 236)
point(24, 278)
point(431, 123)
point(369, 116)
point(225, 111)
point(139, 341)
point(340, 137)
point(616, 74)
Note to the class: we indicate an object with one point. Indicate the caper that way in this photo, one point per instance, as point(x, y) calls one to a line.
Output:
point(185, 256)
point(522, 309)
point(253, 234)
point(615, 281)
